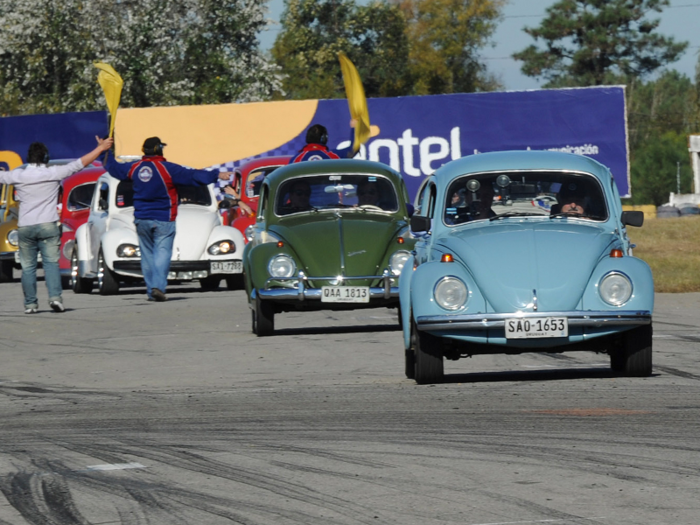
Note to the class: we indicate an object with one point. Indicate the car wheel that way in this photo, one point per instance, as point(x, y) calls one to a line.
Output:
point(427, 350)
point(65, 282)
point(107, 281)
point(77, 283)
point(633, 357)
point(210, 283)
point(6, 268)
point(263, 318)
point(235, 282)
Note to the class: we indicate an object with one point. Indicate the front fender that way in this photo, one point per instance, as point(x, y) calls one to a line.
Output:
point(258, 257)
point(405, 300)
point(636, 270)
point(222, 233)
point(423, 282)
point(112, 239)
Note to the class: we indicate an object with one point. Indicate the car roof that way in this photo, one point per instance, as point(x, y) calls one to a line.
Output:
point(264, 161)
point(90, 174)
point(322, 167)
point(522, 160)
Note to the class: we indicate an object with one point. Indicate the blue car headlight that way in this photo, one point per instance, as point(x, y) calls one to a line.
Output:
point(615, 288)
point(282, 266)
point(451, 293)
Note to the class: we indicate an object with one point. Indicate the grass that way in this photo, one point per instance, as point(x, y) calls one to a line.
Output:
point(672, 248)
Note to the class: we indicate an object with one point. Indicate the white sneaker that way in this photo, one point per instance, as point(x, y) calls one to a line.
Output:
point(31, 310)
point(57, 306)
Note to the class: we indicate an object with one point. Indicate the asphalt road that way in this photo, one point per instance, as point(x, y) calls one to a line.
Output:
point(121, 411)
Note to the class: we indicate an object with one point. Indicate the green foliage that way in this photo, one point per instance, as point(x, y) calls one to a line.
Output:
point(446, 38)
point(169, 52)
point(655, 167)
point(594, 42)
point(313, 32)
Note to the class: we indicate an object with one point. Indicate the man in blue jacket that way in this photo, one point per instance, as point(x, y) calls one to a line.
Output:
point(155, 207)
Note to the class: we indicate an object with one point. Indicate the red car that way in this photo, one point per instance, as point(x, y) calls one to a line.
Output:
point(74, 203)
point(247, 180)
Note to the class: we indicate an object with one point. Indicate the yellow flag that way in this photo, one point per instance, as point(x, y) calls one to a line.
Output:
point(356, 101)
point(111, 84)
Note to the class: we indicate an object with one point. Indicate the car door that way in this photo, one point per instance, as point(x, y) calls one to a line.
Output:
point(97, 223)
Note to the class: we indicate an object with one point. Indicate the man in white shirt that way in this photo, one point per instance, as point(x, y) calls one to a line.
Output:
point(37, 188)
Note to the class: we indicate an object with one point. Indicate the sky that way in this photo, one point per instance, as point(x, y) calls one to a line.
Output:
point(680, 20)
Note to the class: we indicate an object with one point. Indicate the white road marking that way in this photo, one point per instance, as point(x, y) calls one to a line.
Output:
point(116, 466)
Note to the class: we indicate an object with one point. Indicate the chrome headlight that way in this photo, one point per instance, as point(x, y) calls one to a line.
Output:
point(615, 288)
point(13, 237)
point(451, 293)
point(398, 260)
point(249, 233)
point(128, 250)
point(282, 266)
point(68, 248)
point(222, 248)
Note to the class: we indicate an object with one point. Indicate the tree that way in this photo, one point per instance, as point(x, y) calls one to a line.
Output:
point(314, 31)
point(655, 167)
point(446, 37)
point(167, 51)
point(595, 42)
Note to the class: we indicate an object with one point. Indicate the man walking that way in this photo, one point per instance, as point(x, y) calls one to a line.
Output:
point(155, 207)
point(37, 188)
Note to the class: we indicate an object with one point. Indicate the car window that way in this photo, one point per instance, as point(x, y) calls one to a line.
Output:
point(507, 194)
point(125, 194)
point(103, 197)
point(362, 192)
point(254, 180)
point(198, 195)
point(79, 197)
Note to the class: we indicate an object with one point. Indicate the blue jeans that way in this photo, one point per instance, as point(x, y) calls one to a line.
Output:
point(156, 242)
point(44, 238)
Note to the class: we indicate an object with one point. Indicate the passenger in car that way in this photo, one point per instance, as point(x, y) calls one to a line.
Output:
point(368, 193)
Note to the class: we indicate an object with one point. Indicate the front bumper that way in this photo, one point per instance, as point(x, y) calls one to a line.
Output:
point(299, 287)
point(494, 321)
point(181, 270)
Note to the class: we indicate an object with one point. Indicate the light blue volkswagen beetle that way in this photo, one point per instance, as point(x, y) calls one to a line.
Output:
point(524, 251)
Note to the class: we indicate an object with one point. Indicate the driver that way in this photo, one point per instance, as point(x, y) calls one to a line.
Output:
point(299, 195)
point(368, 194)
point(571, 199)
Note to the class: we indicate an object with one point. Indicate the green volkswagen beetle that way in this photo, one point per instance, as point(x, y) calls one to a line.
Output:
point(329, 235)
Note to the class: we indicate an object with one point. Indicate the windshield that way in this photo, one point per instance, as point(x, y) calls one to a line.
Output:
point(550, 194)
point(194, 195)
point(357, 192)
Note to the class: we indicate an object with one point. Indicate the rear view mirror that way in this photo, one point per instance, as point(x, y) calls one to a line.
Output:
point(420, 224)
point(632, 218)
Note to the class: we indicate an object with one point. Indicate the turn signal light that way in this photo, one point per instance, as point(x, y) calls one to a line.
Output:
point(280, 244)
point(400, 240)
point(447, 257)
point(616, 253)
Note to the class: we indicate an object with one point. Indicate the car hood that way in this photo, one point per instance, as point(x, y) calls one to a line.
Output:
point(193, 226)
point(316, 239)
point(513, 263)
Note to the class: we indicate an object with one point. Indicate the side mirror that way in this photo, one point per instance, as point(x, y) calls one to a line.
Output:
point(420, 224)
point(103, 204)
point(225, 204)
point(632, 218)
point(410, 209)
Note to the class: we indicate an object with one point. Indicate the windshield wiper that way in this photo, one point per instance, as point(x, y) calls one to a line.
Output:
point(577, 216)
point(515, 214)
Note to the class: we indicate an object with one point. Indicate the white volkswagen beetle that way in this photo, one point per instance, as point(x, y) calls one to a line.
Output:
point(107, 246)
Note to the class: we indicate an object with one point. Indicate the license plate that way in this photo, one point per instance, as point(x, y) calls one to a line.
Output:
point(537, 328)
point(226, 267)
point(345, 294)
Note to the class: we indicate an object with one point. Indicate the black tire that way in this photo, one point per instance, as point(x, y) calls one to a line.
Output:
point(429, 364)
point(263, 318)
point(65, 282)
point(6, 268)
point(235, 282)
point(77, 283)
point(210, 283)
point(634, 357)
point(107, 281)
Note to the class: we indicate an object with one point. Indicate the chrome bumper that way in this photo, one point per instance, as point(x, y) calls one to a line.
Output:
point(301, 291)
point(493, 321)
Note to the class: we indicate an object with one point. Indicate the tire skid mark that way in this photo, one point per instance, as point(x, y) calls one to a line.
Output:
point(676, 372)
point(172, 455)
